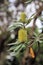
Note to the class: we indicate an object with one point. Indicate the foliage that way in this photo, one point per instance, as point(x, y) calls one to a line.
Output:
point(20, 45)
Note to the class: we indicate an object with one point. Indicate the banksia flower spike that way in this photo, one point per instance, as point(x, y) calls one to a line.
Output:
point(22, 35)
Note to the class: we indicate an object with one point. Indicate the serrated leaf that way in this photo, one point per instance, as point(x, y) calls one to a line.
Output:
point(17, 48)
point(14, 26)
point(35, 34)
point(28, 1)
point(12, 48)
point(23, 46)
point(41, 35)
point(16, 43)
point(18, 52)
point(40, 41)
point(29, 20)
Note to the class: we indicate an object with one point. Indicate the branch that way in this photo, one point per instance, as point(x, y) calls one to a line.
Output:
point(35, 17)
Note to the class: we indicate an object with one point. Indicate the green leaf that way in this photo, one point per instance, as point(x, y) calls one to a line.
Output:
point(35, 34)
point(29, 20)
point(36, 31)
point(15, 43)
point(14, 26)
point(17, 48)
point(17, 53)
point(40, 41)
point(12, 48)
point(41, 19)
point(28, 1)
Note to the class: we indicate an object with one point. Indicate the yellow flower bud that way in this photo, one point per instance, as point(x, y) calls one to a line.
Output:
point(22, 35)
point(32, 53)
point(23, 17)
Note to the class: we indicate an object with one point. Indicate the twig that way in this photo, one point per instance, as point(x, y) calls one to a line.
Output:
point(36, 16)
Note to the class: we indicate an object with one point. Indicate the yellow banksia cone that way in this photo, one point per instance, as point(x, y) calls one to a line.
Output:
point(23, 17)
point(32, 53)
point(22, 35)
